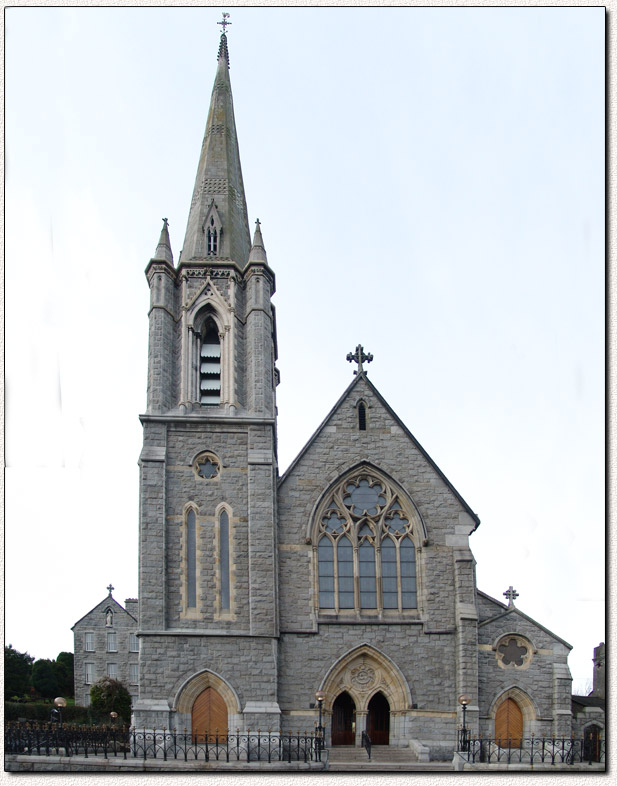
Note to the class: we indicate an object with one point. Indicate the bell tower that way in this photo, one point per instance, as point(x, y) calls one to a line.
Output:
point(207, 560)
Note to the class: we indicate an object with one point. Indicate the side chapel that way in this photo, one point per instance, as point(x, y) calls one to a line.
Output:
point(351, 574)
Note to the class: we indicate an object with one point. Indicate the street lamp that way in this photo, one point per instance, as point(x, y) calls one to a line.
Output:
point(320, 696)
point(464, 700)
point(113, 716)
point(56, 713)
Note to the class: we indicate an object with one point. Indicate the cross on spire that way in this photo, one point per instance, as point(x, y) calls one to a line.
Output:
point(511, 594)
point(359, 357)
point(224, 23)
point(110, 588)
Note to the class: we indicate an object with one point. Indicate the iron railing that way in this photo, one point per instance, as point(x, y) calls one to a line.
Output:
point(164, 744)
point(366, 743)
point(531, 750)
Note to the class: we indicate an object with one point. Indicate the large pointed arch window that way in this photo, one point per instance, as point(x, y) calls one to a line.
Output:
point(210, 365)
point(365, 547)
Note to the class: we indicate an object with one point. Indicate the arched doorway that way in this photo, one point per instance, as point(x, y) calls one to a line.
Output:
point(593, 738)
point(209, 713)
point(509, 724)
point(344, 720)
point(378, 720)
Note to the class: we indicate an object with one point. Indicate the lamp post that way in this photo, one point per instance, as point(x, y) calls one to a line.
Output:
point(320, 696)
point(464, 700)
point(56, 713)
point(113, 716)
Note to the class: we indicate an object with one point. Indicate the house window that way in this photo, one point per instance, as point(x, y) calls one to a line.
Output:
point(89, 642)
point(89, 673)
point(191, 559)
point(111, 642)
point(365, 548)
point(210, 365)
point(112, 670)
point(133, 643)
point(133, 673)
point(224, 558)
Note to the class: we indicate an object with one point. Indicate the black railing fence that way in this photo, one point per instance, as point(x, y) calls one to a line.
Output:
point(167, 745)
point(366, 743)
point(531, 750)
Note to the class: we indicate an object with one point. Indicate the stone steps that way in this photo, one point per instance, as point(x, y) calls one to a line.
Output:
point(349, 758)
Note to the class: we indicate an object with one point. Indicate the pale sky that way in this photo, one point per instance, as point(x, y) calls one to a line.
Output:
point(430, 183)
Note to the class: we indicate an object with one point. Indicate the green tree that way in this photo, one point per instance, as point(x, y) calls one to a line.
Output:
point(63, 667)
point(17, 671)
point(44, 678)
point(109, 695)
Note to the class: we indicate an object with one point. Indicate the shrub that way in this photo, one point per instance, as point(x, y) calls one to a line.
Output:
point(40, 713)
point(109, 695)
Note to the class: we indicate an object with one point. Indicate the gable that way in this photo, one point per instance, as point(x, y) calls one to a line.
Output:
point(339, 443)
point(512, 620)
point(96, 615)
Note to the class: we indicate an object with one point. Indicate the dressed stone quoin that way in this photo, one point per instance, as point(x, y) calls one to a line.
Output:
point(350, 575)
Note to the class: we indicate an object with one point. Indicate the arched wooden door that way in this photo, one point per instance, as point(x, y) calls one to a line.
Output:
point(509, 725)
point(344, 720)
point(378, 720)
point(209, 713)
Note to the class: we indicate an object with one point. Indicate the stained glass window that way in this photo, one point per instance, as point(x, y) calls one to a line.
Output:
point(365, 552)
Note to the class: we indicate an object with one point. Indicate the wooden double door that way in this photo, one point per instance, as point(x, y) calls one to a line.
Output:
point(509, 725)
point(344, 720)
point(209, 713)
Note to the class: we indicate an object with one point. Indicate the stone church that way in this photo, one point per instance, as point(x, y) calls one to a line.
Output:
point(351, 574)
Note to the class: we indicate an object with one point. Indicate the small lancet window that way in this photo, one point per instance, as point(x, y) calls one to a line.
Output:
point(210, 366)
point(191, 560)
point(362, 416)
point(224, 558)
point(212, 238)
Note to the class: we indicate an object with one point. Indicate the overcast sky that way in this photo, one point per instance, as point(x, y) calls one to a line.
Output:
point(430, 183)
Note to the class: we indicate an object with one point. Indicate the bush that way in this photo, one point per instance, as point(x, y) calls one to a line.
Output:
point(109, 695)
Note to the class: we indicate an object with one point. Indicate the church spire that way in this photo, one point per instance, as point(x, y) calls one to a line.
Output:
point(163, 250)
point(218, 224)
point(258, 250)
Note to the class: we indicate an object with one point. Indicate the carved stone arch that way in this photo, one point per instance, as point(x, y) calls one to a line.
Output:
point(191, 688)
point(362, 672)
point(523, 700)
point(419, 526)
point(214, 308)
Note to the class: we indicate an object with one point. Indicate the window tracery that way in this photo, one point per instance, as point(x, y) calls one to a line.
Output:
point(514, 652)
point(365, 547)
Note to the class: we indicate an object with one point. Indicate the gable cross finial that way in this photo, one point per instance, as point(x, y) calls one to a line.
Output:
point(359, 357)
point(224, 23)
point(110, 588)
point(511, 594)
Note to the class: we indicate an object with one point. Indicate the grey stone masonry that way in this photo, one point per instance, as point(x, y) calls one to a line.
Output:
point(105, 644)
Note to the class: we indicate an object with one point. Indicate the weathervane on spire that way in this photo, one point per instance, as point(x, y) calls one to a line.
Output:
point(224, 23)
point(359, 357)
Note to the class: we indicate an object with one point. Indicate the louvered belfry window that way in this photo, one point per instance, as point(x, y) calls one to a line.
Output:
point(365, 552)
point(210, 366)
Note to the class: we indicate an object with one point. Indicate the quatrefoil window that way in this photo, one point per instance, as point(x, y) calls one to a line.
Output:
point(207, 466)
point(514, 652)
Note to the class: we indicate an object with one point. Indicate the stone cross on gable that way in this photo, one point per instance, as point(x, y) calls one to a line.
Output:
point(511, 594)
point(359, 357)
point(110, 588)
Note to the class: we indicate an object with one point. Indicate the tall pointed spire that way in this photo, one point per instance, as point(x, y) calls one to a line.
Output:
point(218, 224)
point(258, 250)
point(163, 250)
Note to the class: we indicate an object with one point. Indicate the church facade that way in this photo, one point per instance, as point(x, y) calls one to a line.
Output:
point(350, 576)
